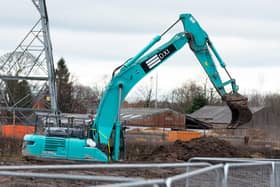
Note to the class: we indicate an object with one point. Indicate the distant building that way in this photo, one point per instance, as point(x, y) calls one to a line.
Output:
point(221, 115)
point(263, 130)
point(141, 117)
point(152, 117)
point(193, 123)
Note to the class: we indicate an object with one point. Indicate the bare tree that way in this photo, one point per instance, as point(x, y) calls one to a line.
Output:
point(273, 102)
point(145, 93)
point(182, 98)
point(85, 99)
point(256, 99)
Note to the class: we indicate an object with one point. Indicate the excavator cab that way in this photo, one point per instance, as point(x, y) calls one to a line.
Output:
point(238, 105)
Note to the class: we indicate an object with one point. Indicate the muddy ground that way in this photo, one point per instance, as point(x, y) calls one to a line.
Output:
point(10, 154)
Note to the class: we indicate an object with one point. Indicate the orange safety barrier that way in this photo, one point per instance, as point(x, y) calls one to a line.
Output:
point(182, 135)
point(16, 131)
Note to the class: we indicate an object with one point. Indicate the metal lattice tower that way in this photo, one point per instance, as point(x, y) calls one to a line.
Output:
point(31, 61)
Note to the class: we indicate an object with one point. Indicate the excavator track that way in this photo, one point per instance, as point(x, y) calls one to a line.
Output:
point(238, 105)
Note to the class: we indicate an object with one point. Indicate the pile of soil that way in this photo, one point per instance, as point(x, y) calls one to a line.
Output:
point(10, 151)
point(10, 146)
point(183, 151)
point(178, 151)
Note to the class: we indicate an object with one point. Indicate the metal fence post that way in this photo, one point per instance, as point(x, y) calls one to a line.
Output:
point(219, 178)
point(276, 174)
point(225, 178)
point(274, 178)
point(168, 182)
point(187, 179)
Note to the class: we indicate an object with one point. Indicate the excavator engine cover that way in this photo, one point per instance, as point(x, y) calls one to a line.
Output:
point(238, 105)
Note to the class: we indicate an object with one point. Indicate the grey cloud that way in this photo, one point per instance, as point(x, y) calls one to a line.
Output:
point(106, 33)
point(256, 20)
point(226, 17)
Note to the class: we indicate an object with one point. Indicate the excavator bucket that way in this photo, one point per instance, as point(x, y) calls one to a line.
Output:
point(238, 105)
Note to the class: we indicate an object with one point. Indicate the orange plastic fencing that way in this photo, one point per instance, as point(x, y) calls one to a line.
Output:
point(16, 131)
point(182, 135)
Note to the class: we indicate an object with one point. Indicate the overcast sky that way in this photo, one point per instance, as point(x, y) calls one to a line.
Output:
point(94, 36)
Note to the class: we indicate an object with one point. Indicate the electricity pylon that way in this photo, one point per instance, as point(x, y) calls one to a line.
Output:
point(32, 61)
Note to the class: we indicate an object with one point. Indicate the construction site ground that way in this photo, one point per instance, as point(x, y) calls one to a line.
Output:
point(10, 150)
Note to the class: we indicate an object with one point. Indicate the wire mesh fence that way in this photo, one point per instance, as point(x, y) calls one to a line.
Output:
point(247, 175)
point(230, 172)
point(207, 179)
point(197, 176)
point(204, 174)
point(276, 174)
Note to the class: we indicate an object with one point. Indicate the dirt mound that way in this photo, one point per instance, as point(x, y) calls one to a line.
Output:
point(10, 146)
point(183, 151)
point(10, 151)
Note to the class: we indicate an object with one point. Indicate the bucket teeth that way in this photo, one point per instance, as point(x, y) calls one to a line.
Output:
point(238, 105)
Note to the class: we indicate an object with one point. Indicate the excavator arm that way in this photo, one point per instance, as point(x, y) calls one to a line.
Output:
point(131, 72)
